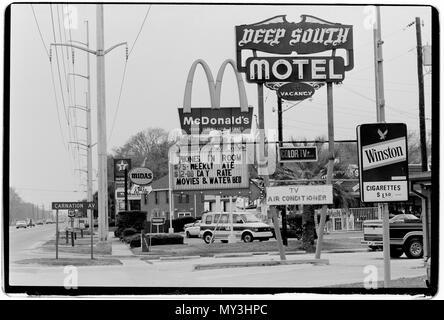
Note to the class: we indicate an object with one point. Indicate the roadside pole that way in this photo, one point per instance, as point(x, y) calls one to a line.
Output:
point(331, 151)
point(57, 234)
point(422, 124)
point(262, 163)
point(280, 139)
point(126, 189)
point(171, 197)
point(231, 237)
point(91, 228)
point(380, 117)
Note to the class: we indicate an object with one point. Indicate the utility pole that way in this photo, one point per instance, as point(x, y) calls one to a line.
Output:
point(280, 139)
point(380, 117)
point(101, 119)
point(88, 127)
point(262, 164)
point(101, 127)
point(422, 125)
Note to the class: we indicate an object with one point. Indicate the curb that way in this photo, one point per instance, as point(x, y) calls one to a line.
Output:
point(258, 264)
point(167, 258)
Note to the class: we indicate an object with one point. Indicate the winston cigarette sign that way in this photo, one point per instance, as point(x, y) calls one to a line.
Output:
point(383, 164)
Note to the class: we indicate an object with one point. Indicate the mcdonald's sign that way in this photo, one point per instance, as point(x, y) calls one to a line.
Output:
point(237, 120)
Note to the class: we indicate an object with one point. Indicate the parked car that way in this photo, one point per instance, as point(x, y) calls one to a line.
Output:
point(405, 235)
point(39, 222)
point(21, 224)
point(49, 221)
point(192, 229)
point(31, 223)
point(246, 226)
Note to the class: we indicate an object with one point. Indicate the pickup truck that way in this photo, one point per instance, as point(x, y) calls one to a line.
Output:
point(405, 235)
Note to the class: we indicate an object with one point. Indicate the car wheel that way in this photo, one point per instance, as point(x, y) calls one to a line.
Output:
point(414, 248)
point(396, 252)
point(247, 237)
point(208, 238)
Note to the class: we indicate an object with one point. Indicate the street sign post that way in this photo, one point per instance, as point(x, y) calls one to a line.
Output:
point(71, 207)
point(298, 154)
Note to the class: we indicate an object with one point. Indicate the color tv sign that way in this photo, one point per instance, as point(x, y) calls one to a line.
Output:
point(383, 163)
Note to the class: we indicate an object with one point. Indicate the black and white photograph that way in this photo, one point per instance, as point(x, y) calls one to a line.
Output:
point(213, 149)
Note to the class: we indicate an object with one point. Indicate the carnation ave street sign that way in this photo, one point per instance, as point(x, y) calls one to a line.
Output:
point(300, 194)
point(383, 162)
point(73, 205)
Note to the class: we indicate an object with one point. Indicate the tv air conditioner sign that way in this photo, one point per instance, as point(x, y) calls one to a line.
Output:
point(383, 163)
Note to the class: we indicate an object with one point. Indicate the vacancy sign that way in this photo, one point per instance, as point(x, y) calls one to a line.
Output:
point(300, 194)
point(383, 163)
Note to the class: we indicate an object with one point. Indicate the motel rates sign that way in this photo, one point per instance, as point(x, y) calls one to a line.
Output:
point(383, 162)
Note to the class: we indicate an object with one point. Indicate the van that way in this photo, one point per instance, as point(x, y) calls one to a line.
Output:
point(246, 227)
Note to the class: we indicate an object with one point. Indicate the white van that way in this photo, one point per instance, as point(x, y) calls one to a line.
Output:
point(246, 226)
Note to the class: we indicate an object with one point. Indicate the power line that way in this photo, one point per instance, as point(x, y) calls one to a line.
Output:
point(58, 65)
point(38, 28)
point(118, 102)
point(124, 74)
point(140, 30)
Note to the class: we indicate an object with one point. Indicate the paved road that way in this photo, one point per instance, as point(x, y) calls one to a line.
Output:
point(343, 268)
point(23, 241)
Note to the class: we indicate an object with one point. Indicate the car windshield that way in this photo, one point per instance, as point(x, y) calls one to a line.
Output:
point(249, 218)
point(402, 217)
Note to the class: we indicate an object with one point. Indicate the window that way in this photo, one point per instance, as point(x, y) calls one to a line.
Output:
point(224, 218)
point(156, 199)
point(216, 218)
point(180, 198)
point(237, 219)
point(167, 197)
point(208, 219)
point(184, 214)
point(187, 198)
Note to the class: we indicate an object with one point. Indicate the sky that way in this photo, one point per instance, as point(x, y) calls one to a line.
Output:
point(43, 168)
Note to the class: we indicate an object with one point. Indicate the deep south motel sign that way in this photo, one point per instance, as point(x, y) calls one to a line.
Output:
point(383, 162)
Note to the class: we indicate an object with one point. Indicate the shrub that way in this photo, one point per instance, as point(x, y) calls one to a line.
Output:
point(180, 222)
point(156, 239)
point(128, 232)
point(131, 219)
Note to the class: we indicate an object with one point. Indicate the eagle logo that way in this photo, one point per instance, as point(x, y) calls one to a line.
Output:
point(382, 134)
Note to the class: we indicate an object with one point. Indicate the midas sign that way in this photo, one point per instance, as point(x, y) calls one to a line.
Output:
point(292, 69)
point(384, 153)
point(295, 194)
point(141, 176)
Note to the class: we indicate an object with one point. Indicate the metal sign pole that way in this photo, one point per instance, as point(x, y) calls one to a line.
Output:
point(91, 228)
point(57, 234)
point(386, 243)
point(261, 161)
point(331, 151)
